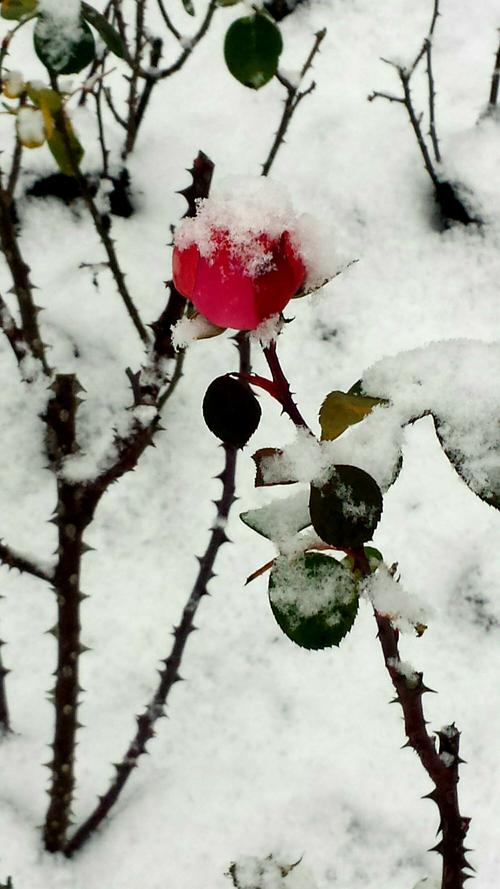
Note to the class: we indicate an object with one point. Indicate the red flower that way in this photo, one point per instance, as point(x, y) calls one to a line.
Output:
point(238, 281)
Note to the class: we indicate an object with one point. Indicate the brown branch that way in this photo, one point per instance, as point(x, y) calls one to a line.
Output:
point(15, 168)
point(292, 101)
point(169, 674)
point(428, 39)
point(22, 286)
point(100, 224)
point(441, 765)
point(134, 76)
point(15, 336)
point(109, 102)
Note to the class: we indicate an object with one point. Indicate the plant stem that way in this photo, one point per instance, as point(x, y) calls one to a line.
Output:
point(5, 727)
point(282, 387)
point(169, 674)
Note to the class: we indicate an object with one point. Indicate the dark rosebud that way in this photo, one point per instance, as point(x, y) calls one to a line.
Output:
point(231, 410)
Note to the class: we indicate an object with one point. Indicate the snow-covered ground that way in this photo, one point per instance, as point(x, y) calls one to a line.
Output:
point(268, 749)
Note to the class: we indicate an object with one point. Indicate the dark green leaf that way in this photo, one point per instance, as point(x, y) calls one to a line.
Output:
point(109, 34)
point(252, 49)
point(346, 510)
point(59, 55)
point(188, 6)
point(314, 600)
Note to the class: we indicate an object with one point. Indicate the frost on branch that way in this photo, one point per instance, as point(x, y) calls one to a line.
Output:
point(391, 600)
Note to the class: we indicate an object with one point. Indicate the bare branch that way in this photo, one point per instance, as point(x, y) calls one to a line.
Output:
point(168, 21)
point(169, 674)
point(292, 101)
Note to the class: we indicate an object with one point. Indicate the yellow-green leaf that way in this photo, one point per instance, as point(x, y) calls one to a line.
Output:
point(17, 9)
point(67, 151)
point(341, 410)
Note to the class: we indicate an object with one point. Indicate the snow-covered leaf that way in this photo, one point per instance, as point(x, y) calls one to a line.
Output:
point(63, 50)
point(346, 509)
point(456, 382)
point(281, 519)
point(252, 49)
point(314, 599)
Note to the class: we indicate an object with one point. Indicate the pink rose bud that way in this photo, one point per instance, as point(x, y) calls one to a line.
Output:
point(236, 275)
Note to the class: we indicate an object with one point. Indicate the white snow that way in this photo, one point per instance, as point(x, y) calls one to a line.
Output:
point(293, 590)
point(389, 598)
point(30, 127)
point(188, 330)
point(60, 26)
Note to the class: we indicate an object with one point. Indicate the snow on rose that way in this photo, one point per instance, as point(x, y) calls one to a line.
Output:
point(242, 258)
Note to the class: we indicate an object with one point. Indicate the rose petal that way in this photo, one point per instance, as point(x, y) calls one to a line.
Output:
point(184, 269)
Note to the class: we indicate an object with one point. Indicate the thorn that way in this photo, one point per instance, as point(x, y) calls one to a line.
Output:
point(54, 631)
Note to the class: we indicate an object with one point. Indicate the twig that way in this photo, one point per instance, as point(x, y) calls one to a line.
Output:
point(22, 286)
point(6, 41)
point(162, 73)
point(15, 168)
point(109, 102)
point(5, 726)
point(169, 674)
point(100, 226)
point(100, 128)
point(168, 21)
point(292, 101)
point(428, 39)
point(495, 79)
point(154, 61)
point(441, 766)
point(432, 97)
point(415, 123)
point(13, 559)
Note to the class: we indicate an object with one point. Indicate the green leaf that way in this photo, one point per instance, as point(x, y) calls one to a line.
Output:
point(252, 49)
point(60, 54)
point(15, 10)
point(109, 34)
point(188, 6)
point(341, 410)
point(346, 510)
point(59, 146)
point(313, 599)
point(280, 519)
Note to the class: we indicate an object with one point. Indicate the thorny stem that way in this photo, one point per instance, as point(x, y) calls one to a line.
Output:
point(495, 79)
point(293, 99)
point(100, 225)
point(441, 765)
point(100, 127)
point(415, 123)
point(169, 674)
point(282, 391)
point(74, 511)
point(428, 39)
point(22, 285)
point(13, 333)
point(168, 21)
point(15, 168)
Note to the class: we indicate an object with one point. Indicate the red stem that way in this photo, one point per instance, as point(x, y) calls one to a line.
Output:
point(281, 388)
